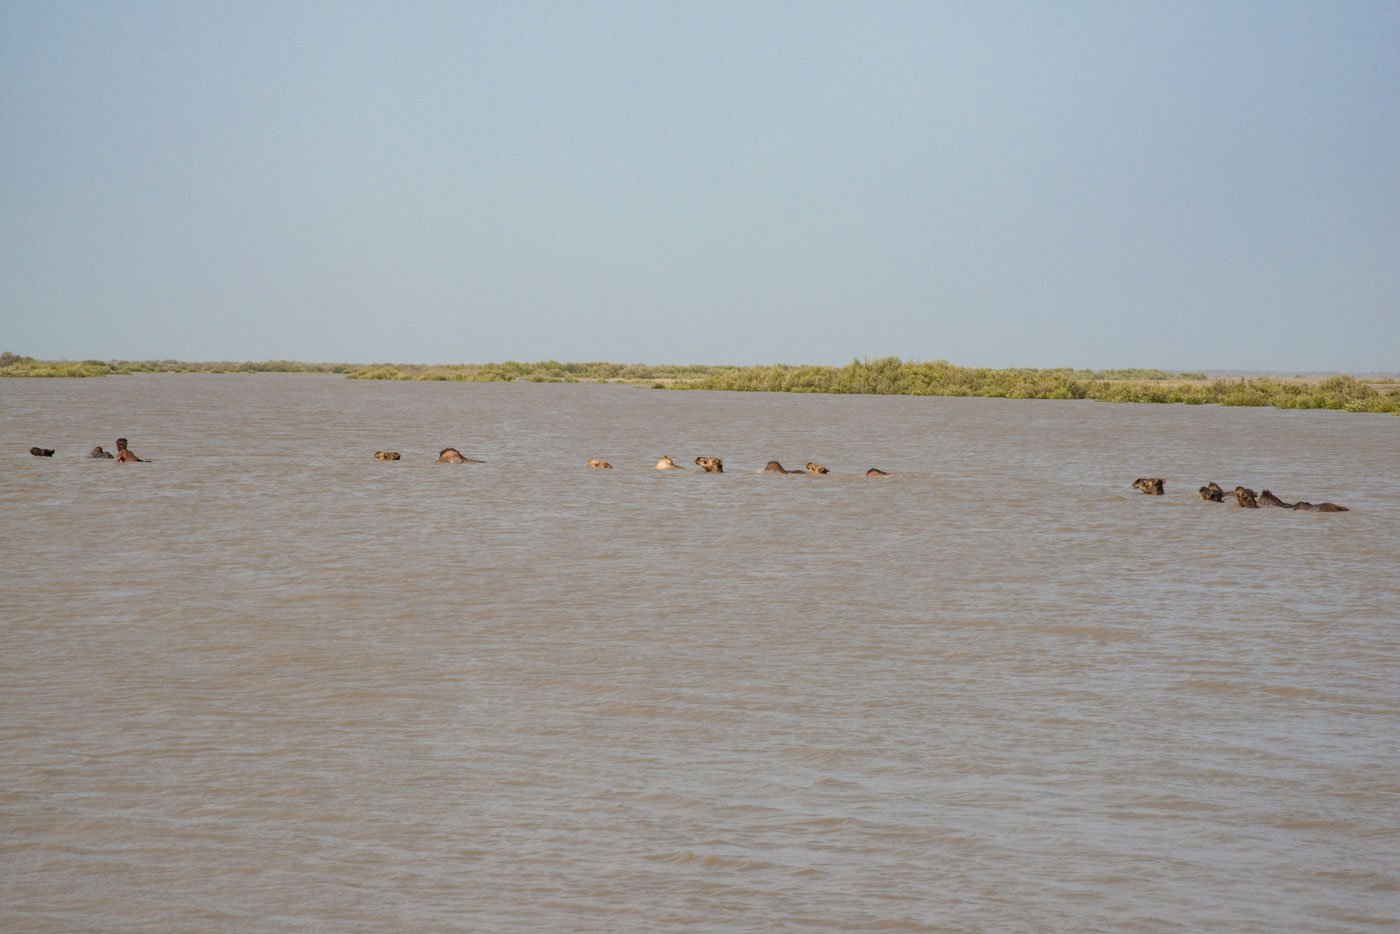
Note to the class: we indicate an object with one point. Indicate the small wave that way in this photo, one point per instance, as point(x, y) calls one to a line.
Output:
point(1100, 633)
point(1283, 690)
point(815, 755)
point(713, 861)
point(630, 710)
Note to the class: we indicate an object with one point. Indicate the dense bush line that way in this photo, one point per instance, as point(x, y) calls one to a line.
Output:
point(16, 365)
point(885, 376)
point(891, 375)
point(547, 371)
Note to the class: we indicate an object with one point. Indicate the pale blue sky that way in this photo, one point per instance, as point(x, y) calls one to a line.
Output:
point(1182, 185)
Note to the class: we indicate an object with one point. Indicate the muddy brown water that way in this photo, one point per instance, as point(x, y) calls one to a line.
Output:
point(267, 682)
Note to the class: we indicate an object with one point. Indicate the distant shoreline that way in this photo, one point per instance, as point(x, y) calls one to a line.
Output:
point(885, 376)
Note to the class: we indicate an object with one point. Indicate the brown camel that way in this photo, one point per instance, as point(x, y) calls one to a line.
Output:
point(454, 456)
point(775, 467)
point(1272, 500)
point(1212, 493)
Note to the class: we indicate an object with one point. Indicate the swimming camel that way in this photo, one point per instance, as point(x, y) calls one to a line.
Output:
point(1270, 499)
point(775, 467)
point(124, 454)
point(454, 456)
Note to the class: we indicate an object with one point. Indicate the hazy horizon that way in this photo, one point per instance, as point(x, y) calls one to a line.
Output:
point(1201, 186)
point(1207, 371)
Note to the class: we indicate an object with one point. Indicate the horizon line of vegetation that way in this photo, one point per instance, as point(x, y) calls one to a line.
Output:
point(883, 376)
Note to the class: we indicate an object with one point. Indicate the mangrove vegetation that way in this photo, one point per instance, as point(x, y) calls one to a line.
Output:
point(884, 376)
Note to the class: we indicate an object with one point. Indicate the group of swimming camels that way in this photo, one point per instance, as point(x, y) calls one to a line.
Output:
point(1152, 486)
point(705, 463)
point(1214, 493)
point(123, 455)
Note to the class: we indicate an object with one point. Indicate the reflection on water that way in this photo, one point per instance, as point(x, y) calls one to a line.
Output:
point(267, 680)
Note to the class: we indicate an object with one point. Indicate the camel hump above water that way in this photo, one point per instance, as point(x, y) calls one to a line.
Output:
point(454, 456)
point(775, 467)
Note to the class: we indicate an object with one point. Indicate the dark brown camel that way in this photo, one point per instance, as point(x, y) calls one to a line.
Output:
point(775, 467)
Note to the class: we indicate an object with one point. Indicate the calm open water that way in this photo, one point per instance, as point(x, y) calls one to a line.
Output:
point(269, 682)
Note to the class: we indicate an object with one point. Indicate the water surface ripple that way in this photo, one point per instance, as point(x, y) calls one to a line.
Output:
point(267, 681)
